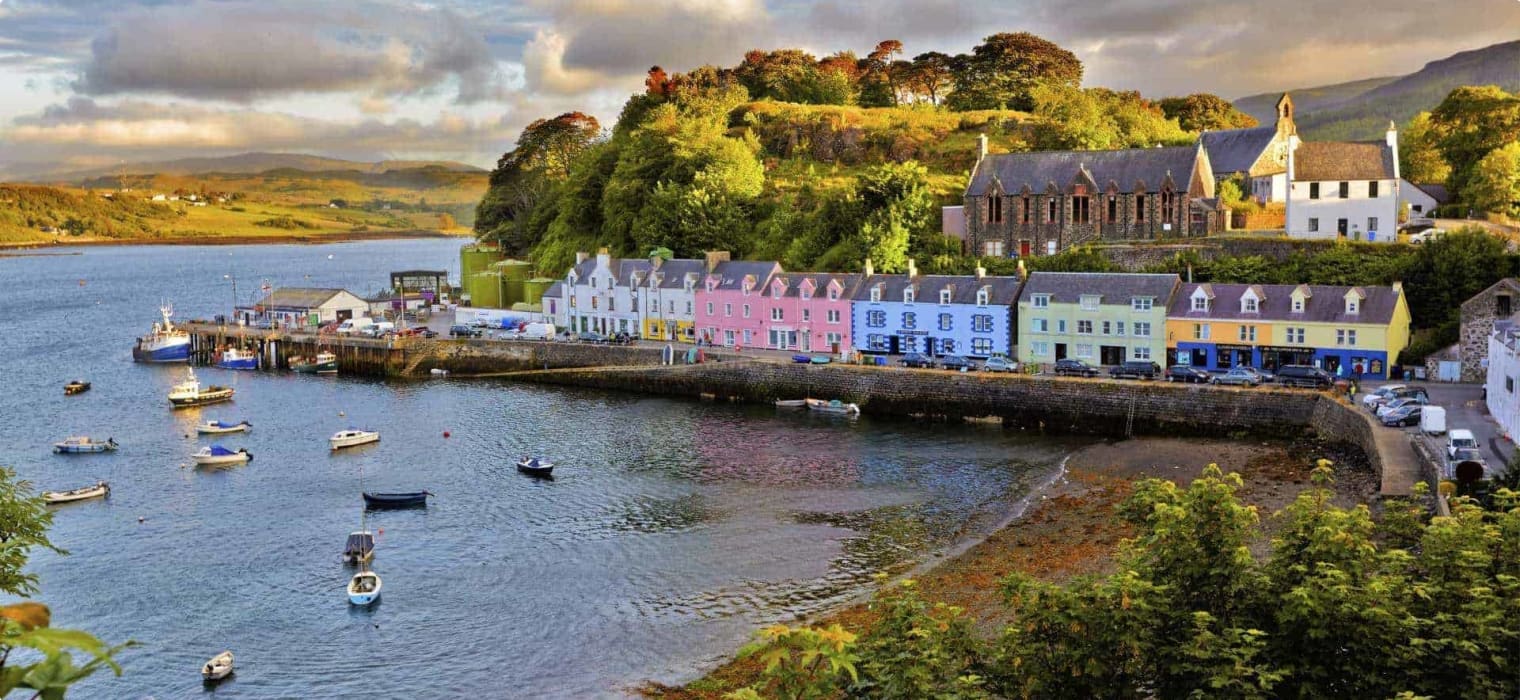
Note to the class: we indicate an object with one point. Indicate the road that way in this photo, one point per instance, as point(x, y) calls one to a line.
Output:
point(1464, 409)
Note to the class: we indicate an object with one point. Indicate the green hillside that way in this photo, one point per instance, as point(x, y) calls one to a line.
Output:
point(1309, 100)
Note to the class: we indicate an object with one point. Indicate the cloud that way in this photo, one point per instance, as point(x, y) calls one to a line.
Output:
point(242, 51)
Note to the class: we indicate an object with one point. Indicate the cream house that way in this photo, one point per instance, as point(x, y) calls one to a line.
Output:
point(1344, 190)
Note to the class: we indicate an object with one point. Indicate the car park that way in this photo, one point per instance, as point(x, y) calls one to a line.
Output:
point(1304, 376)
point(1135, 369)
point(1075, 368)
point(958, 363)
point(1239, 376)
point(1000, 363)
point(1403, 416)
point(1396, 394)
point(1187, 375)
point(1396, 404)
point(918, 360)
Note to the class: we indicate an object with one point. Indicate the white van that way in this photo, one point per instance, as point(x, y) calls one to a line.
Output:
point(379, 329)
point(538, 331)
point(1460, 439)
point(354, 325)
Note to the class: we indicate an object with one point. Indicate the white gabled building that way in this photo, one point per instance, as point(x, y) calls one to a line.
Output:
point(1503, 377)
point(652, 298)
point(1344, 190)
point(667, 296)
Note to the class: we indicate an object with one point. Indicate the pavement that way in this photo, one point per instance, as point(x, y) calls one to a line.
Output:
point(1465, 408)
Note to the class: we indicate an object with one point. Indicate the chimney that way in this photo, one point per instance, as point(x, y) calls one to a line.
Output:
point(1398, 287)
point(581, 256)
point(981, 146)
point(912, 269)
point(1023, 271)
point(1190, 273)
point(713, 257)
point(869, 269)
point(1392, 137)
point(654, 262)
point(603, 257)
point(981, 272)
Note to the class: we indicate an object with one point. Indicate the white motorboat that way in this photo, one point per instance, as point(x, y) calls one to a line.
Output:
point(219, 667)
point(216, 456)
point(353, 437)
point(82, 444)
point(190, 393)
point(791, 403)
point(100, 490)
point(364, 588)
point(834, 407)
point(217, 427)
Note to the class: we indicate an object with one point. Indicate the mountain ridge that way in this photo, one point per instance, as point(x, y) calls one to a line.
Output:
point(252, 162)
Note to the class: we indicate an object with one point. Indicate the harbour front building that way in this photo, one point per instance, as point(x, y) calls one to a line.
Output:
point(936, 315)
point(1098, 318)
point(730, 303)
point(1041, 203)
point(1347, 331)
point(809, 311)
point(666, 294)
point(599, 296)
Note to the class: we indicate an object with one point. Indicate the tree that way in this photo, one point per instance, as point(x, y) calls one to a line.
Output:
point(1068, 118)
point(1003, 71)
point(542, 159)
point(1470, 123)
point(1451, 269)
point(898, 209)
point(1204, 111)
point(1495, 183)
point(1420, 158)
point(931, 75)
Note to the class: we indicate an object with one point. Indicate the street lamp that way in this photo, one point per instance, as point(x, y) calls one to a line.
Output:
point(233, 278)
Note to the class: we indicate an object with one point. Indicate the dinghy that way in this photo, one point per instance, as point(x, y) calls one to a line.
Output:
point(78, 386)
point(219, 667)
point(353, 437)
point(218, 427)
point(411, 499)
point(216, 455)
point(100, 490)
point(534, 466)
point(791, 403)
point(80, 444)
point(833, 407)
point(364, 588)
point(360, 547)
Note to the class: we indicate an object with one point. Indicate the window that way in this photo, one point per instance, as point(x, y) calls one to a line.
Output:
point(671, 307)
point(1248, 334)
point(876, 294)
point(807, 315)
point(1142, 329)
point(749, 337)
point(777, 315)
point(1082, 350)
point(1108, 328)
point(981, 323)
point(833, 294)
point(981, 298)
point(805, 293)
point(1040, 301)
point(993, 249)
point(728, 338)
point(944, 296)
point(1200, 303)
point(1296, 336)
point(728, 310)
point(1050, 212)
point(944, 322)
point(832, 316)
point(1141, 303)
point(1351, 305)
point(1079, 209)
point(833, 339)
point(594, 301)
point(910, 343)
point(1503, 305)
point(776, 290)
point(995, 209)
point(1200, 331)
point(746, 310)
point(908, 295)
point(1372, 223)
point(1351, 337)
point(1509, 384)
point(1168, 206)
point(1141, 352)
point(688, 309)
point(981, 346)
point(612, 303)
point(1113, 208)
point(1039, 349)
point(1039, 325)
point(1372, 189)
point(1118, 328)
point(876, 319)
point(876, 341)
point(1298, 305)
point(1345, 190)
point(1313, 224)
point(1139, 208)
point(1248, 305)
point(947, 345)
point(1314, 190)
point(909, 320)
point(1084, 327)
point(572, 301)
point(1089, 302)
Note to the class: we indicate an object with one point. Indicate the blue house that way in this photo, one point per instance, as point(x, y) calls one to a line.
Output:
point(934, 314)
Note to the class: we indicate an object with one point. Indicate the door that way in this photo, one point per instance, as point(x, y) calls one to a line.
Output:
point(1060, 351)
point(1111, 354)
point(894, 345)
point(1024, 249)
point(807, 342)
point(1448, 371)
point(1341, 227)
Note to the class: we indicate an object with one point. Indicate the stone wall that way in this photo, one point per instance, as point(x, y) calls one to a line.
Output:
point(1136, 257)
point(497, 356)
point(1478, 316)
point(1340, 422)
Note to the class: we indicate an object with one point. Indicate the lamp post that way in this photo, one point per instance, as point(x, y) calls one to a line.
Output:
point(233, 279)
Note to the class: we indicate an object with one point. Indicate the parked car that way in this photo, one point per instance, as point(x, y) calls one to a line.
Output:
point(1075, 368)
point(1264, 376)
point(425, 332)
point(914, 359)
point(1304, 375)
point(1403, 415)
point(591, 337)
point(462, 331)
point(1460, 439)
point(1396, 404)
point(956, 362)
point(1404, 393)
point(1426, 236)
point(1000, 363)
point(1187, 374)
point(1137, 369)
point(1381, 394)
point(1240, 376)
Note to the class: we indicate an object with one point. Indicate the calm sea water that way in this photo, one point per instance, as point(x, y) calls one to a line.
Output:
point(673, 529)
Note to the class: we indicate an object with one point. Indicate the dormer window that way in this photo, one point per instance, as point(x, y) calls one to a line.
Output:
point(1040, 301)
point(1298, 305)
point(833, 294)
point(1248, 304)
point(944, 296)
point(1352, 306)
point(981, 297)
point(908, 295)
point(876, 294)
point(1200, 303)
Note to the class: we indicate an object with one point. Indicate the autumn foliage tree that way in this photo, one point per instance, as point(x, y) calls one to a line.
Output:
point(1203, 111)
point(1003, 71)
point(542, 157)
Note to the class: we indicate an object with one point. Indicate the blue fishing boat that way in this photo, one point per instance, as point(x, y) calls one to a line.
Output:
point(236, 358)
point(84, 445)
point(413, 499)
point(165, 343)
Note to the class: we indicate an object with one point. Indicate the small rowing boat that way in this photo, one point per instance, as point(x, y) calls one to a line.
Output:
point(216, 456)
point(364, 588)
point(219, 667)
point(100, 490)
point(791, 403)
point(833, 407)
point(534, 466)
point(80, 444)
point(217, 427)
point(78, 386)
point(411, 499)
point(360, 547)
point(353, 437)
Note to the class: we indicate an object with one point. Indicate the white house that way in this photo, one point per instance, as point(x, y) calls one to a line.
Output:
point(667, 295)
point(1422, 199)
point(1345, 190)
point(305, 306)
point(1504, 376)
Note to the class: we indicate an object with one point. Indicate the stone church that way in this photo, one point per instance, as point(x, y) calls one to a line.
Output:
point(1259, 154)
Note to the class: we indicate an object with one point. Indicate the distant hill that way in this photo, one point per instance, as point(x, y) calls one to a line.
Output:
point(1362, 109)
point(243, 163)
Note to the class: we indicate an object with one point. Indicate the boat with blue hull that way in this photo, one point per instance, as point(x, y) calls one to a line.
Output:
point(165, 343)
point(236, 358)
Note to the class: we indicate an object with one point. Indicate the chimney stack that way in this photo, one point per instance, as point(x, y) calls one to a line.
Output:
point(581, 256)
point(713, 257)
point(1392, 137)
point(912, 269)
point(869, 269)
point(981, 147)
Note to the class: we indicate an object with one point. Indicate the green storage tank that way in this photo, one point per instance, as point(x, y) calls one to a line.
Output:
point(477, 258)
point(533, 289)
point(513, 274)
point(485, 290)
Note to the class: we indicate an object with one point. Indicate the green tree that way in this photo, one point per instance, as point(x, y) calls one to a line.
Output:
point(541, 161)
point(1068, 118)
point(897, 210)
point(1420, 158)
point(1204, 111)
point(1470, 123)
point(1450, 270)
point(1003, 71)
point(1495, 183)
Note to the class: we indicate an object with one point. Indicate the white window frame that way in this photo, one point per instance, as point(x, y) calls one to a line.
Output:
point(1039, 325)
point(982, 297)
point(832, 316)
point(1140, 352)
point(1201, 331)
point(1142, 303)
point(1142, 329)
point(944, 297)
point(908, 295)
point(777, 314)
point(876, 294)
point(1089, 302)
point(1039, 301)
point(746, 310)
point(1089, 327)
point(1200, 303)
point(1039, 349)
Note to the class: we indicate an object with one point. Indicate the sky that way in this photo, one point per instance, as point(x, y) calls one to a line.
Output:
point(94, 82)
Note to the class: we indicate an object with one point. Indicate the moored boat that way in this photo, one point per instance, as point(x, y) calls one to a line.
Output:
point(323, 363)
point(833, 407)
point(190, 392)
point(101, 489)
point(353, 437)
point(78, 386)
point(535, 466)
point(820, 359)
point(410, 499)
point(221, 427)
point(237, 358)
point(81, 444)
point(219, 667)
point(364, 588)
point(216, 455)
point(360, 547)
point(164, 343)
point(791, 403)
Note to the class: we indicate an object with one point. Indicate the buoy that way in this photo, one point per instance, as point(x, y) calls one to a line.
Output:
point(140, 518)
point(445, 433)
point(341, 414)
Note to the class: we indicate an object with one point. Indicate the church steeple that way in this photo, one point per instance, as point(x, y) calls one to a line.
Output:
point(1285, 123)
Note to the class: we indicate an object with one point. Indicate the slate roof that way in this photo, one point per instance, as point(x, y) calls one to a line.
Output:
point(731, 274)
point(1236, 150)
point(1436, 190)
point(672, 273)
point(1343, 160)
point(1116, 288)
point(1004, 291)
point(794, 280)
point(300, 297)
point(556, 290)
point(1326, 304)
point(1038, 170)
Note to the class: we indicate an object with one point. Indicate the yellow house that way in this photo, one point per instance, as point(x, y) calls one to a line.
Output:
point(1347, 331)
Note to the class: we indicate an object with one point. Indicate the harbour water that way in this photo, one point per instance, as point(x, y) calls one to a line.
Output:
point(671, 532)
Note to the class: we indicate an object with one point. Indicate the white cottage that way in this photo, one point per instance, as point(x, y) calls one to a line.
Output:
point(1344, 190)
point(1503, 377)
point(305, 306)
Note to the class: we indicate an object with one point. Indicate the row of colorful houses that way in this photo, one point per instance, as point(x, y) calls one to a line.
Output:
point(1038, 318)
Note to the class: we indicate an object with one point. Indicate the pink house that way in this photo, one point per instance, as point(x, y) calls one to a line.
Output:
point(731, 308)
point(809, 311)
